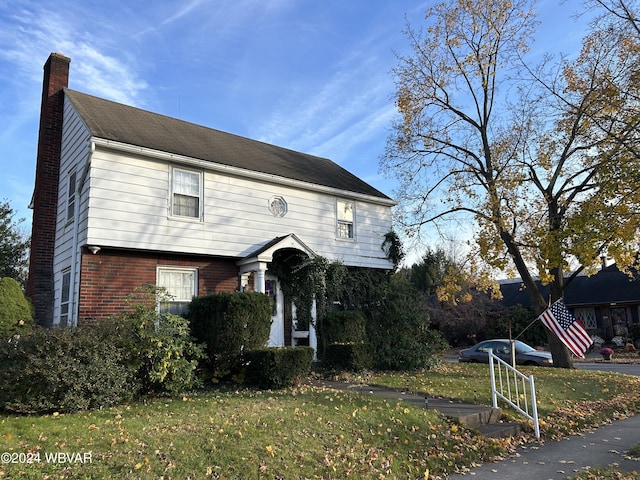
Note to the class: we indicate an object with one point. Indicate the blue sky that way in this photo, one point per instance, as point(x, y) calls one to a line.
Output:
point(309, 75)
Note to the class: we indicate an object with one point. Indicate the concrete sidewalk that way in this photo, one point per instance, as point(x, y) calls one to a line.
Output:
point(558, 460)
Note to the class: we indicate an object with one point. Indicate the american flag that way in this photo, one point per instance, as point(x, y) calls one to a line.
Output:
point(567, 328)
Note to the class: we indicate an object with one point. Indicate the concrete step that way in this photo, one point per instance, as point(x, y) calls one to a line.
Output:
point(471, 416)
point(486, 420)
point(500, 430)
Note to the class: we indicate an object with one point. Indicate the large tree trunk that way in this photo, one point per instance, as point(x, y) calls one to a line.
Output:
point(560, 353)
point(561, 356)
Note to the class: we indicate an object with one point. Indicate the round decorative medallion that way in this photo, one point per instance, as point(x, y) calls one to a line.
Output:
point(278, 206)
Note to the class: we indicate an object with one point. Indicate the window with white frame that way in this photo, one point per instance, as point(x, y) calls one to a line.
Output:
point(345, 214)
point(186, 193)
point(65, 296)
point(181, 286)
point(71, 196)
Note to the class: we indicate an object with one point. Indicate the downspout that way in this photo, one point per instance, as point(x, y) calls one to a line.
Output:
point(75, 250)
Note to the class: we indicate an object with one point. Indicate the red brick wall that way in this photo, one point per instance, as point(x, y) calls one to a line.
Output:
point(110, 275)
point(45, 195)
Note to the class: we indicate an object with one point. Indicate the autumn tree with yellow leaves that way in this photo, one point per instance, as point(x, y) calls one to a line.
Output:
point(543, 159)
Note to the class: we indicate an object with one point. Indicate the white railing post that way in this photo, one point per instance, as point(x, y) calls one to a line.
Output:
point(494, 396)
point(534, 407)
point(507, 395)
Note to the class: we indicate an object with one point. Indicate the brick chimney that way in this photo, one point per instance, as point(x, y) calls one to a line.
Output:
point(45, 194)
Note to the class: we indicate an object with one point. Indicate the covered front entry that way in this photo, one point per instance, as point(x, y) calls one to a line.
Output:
point(284, 329)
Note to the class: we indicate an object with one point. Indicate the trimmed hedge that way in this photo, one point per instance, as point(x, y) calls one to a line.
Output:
point(345, 327)
point(100, 363)
point(353, 357)
point(278, 367)
point(63, 370)
point(230, 324)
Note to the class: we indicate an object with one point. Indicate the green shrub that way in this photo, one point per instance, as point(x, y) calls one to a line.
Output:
point(353, 357)
point(398, 329)
point(99, 363)
point(634, 332)
point(229, 324)
point(341, 327)
point(16, 313)
point(158, 347)
point(278, 367)
point(63, 370)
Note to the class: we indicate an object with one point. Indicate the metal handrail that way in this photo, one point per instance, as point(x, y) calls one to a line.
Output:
point(512, 384)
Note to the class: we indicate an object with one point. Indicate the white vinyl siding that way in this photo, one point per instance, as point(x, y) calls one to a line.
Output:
point(180, 284)
point(129, 200)
point(186, 193)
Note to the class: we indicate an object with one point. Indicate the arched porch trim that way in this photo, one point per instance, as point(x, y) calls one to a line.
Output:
point(283, 330)
point(258, 260)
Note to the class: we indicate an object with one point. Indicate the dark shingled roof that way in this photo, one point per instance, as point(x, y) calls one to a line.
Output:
point(609, 285)
point(122, 123)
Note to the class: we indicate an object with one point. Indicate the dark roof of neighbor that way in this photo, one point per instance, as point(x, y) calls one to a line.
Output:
point(122, 123)
point(608, 286)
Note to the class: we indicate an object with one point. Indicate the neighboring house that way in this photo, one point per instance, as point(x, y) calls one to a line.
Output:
point(607, 303)
point(125, 197)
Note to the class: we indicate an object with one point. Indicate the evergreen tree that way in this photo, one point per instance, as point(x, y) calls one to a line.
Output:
point(14, 245)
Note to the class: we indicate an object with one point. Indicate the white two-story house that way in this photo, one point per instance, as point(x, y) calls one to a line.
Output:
point(125, 197)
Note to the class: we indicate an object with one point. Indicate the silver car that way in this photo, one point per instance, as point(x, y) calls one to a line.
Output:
point(525, 355)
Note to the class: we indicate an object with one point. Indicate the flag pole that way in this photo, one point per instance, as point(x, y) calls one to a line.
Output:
point(526, 328)
point(534, 321)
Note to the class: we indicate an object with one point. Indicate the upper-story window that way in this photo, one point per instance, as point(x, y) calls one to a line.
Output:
point(345, 215)
point(71, 196)
point(186, 193)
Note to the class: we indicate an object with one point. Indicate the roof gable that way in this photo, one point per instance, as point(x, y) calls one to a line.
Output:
point(129, 125)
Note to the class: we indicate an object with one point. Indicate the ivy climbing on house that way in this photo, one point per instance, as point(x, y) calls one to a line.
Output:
point(304, 279)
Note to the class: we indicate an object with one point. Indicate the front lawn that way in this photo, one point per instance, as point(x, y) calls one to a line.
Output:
point(302, 432)
point(568, 400)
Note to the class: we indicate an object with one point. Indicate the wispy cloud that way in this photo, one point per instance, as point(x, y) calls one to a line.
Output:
point(30, 35)
point(351, 107)
point(184, 10)
point(362, 130)
point(107, 76)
